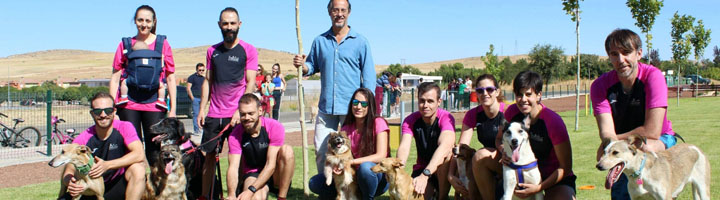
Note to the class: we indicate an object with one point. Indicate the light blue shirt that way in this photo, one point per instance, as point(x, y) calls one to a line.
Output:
point(344, 68)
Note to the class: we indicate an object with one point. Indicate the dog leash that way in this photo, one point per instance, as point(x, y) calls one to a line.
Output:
point(194, 148)
point(637, 173)
point(520, 168)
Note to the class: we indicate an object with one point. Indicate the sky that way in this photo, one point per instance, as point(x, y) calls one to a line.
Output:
point(413, 31)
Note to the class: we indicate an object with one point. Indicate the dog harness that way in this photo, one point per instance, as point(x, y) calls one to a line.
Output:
point(85, 169)
point(519, 170)
point(637, 173)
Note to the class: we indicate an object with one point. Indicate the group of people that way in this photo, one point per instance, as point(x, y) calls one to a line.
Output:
point(459, 92)
point(630, 100)
point(388, 91)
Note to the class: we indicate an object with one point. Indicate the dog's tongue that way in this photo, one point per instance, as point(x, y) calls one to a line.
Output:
point(613, 175)
point(168, 167)
point(516, 154)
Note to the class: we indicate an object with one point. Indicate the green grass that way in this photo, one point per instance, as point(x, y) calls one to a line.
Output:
point(695, 120)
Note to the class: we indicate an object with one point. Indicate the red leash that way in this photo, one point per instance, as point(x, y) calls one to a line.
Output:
point(194, 148)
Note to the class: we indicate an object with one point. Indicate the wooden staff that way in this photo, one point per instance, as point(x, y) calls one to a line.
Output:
point(301, 100)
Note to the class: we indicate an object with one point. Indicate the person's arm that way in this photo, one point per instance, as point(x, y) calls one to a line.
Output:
point(284, 84)
point(404, 148)
point(172, 88)
point(250, 85)
point(189, 91)
point(466, 134)
point(232, 173)
point(204, 98)
point(445, 144)
point(269, 168)
point(381, 150)
point(114, 83)
point(368, 68)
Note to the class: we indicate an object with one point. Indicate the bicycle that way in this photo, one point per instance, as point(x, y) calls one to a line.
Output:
point(26, 137)
point(58, 137)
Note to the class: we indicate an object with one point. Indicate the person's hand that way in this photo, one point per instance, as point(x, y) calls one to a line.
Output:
point(530, 189)
point(457, 184)
point(98, 169)
point(171, 114)
point(201, 118)
point(299, 60)
point(420, 183)
point(75, 189)
point(245, 195)
point(231, 197)
point(505, 160)
point(235, 118)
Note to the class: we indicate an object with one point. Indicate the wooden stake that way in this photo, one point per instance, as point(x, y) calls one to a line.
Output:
point(301, 101)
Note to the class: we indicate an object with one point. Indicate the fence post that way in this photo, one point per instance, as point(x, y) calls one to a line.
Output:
point(447, 94)
point(412, 100)
point(387, 104)
point(48, 105)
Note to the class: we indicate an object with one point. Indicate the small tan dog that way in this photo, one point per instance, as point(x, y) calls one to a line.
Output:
point(337, 166)
point(167, 177)
point(464, 155)
point(81, 157)
point(658, 175)
point(401, 186)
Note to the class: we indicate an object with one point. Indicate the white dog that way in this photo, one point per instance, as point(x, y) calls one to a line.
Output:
point(523, 169)
point(658, 175)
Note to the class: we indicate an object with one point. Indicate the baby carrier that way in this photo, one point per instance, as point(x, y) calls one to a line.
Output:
point(142, 70)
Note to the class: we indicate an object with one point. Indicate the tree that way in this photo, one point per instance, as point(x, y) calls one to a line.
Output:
point(652, 57)
point(572, 8)
point(592, 65)
point(492, 66)
point(716, 55)
point(681, 45)
point(644, 12)
point(699, 39)
point(546, 60)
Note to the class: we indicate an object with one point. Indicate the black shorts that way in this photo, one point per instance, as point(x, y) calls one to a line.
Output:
point(270, 183)
point(212, 128)
point(432, 181)
point(569, 181)
point(114, 189)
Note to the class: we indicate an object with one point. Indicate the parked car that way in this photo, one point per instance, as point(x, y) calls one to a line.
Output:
point(698, 79)
point(184, 104)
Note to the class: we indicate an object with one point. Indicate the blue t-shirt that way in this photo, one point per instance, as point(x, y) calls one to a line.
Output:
point(196, 82)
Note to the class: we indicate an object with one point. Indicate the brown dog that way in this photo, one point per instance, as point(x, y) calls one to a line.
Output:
point(401, 186)
point(656, 175)
point(167, 177)
point(464, 155)
point(337, 166)
point(81, 157)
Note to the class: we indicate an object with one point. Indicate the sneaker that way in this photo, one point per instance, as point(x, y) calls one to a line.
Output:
point(122, 100)
point(161, 104)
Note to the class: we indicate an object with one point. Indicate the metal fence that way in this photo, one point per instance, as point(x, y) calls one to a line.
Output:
point(36, 110)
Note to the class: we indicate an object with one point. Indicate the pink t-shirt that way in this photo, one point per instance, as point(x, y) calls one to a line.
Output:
point(356, 138)
point(446, 122)
point(276, 135)
point(470, 119)
point(654, 87)
point(119, 64)
point(228, 80)
point(554, 129)
point(126, 129)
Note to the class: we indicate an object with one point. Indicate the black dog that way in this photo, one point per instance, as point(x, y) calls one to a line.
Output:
point(171, 131)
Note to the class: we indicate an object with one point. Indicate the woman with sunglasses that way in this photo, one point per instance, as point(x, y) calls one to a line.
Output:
point(485, 119)
point(369, 138)
point(143, 115)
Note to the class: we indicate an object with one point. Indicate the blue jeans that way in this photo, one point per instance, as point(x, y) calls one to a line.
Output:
point(196, 111)
point(619, 189)
point(371, 184)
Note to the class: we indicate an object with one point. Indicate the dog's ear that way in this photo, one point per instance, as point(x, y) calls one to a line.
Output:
point(526, 122)
point(636, 142)
point(397, 163)
point(343, 133)
point(82, 149)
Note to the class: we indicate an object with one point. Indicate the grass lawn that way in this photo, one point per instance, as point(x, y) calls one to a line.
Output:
point(695, 120)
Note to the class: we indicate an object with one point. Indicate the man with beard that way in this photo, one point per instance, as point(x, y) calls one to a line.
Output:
point(258, 160)
point(231, 68)
point(343, 58)
point(630, 100)
point(434, 132)
point(118, 153)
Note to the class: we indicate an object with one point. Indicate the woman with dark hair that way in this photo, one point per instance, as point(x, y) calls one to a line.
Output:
point(143, 115)
point(369, 138)
point(486, 120)
point(549, 140)
point(279, 80)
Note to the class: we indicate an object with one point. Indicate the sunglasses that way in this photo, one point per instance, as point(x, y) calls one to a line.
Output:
point(489, 89)
point(98, 111)
point(355, 102)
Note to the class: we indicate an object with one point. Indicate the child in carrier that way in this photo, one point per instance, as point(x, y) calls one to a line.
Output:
point(124, 89)
point(267, 87)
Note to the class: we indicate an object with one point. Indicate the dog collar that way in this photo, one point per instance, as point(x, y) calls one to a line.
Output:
point(520, 168)
point(85, 169)
point(637, 173)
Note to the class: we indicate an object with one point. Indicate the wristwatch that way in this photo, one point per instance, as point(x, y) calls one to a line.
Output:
point(426, 172)
point(252, 189)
